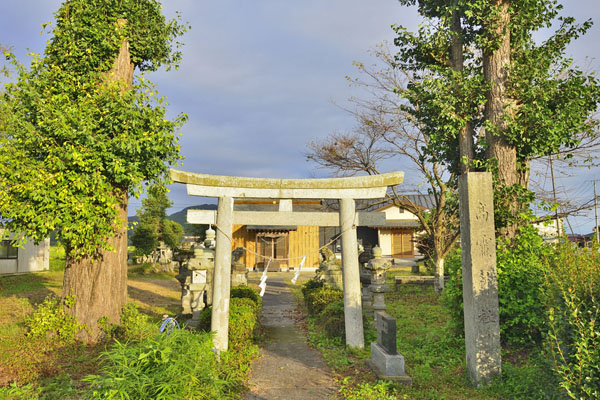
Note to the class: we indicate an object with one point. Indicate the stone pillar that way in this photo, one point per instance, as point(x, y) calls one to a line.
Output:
point(222, 277)
point(480, 281)
point(351, 276)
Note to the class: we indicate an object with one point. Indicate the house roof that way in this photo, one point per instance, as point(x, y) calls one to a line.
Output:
point(400, 223)
point(424, 201)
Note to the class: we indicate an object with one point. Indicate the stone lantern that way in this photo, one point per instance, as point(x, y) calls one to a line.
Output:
point(377, 268)
point(196, 278)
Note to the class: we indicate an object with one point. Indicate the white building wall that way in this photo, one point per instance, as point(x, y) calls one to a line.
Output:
point(30, 258)
point(385, 241)
point(395, 213)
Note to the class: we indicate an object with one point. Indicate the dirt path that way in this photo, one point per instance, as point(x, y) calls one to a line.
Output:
point(288, 369)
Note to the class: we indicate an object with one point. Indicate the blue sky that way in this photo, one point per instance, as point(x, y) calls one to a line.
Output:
point(259, 78)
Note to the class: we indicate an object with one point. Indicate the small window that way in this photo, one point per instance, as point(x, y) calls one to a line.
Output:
point(7, 250)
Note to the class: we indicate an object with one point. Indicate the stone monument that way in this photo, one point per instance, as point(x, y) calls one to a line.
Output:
point(480, 280)
point(330, 271)
point(377, 268)
point(385, 360)
point(239, 272)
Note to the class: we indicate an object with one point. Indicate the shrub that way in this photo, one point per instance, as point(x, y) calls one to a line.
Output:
point(134, 325)
point(51, 319)
point(521, 270)
point(241, 292)
point(179, 365)
point(573, 287)
point(318, 299)
point(311, 285)
point(246, 292)
point(331, 319)
point(243, 321)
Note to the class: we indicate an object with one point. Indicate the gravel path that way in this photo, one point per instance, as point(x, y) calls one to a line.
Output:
point(288, 369)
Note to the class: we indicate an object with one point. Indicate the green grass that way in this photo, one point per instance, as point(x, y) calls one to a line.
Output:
point(434, 356)
point(57, 258)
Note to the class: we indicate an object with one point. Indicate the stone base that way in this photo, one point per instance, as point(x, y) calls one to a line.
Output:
point(333, 279)
point(239, 279)
point(386, 366)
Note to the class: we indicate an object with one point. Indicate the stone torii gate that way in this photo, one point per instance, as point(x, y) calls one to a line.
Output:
point(346, 190)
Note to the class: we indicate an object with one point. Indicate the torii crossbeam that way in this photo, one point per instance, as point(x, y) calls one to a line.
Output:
point(346, 190)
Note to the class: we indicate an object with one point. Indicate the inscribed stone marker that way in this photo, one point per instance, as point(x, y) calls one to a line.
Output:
point(386, 332)
point(480, 283)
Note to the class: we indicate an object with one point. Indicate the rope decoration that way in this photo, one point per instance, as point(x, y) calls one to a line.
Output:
point(263, 279)
point(335, 238)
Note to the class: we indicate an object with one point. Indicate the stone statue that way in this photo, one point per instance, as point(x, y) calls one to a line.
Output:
point(330, 269)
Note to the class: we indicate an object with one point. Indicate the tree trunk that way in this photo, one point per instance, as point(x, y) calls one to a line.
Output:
point(465, 136)
point(499, 107)
point(438, 281)
point(100, 286)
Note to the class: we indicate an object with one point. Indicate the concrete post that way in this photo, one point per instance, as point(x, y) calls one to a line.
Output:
point(351, 276)
point(480, 281)
point(222, 277)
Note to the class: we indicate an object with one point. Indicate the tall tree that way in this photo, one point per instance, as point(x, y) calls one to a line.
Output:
point(153, 226)
point(79, 135)
point(485, 80)
point(385, 131)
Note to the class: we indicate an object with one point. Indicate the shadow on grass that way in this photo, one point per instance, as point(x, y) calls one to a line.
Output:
point(153, 299)
point(34, 287)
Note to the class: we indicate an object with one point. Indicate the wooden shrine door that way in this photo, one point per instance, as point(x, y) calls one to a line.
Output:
point(402, 243)
point(274, 245)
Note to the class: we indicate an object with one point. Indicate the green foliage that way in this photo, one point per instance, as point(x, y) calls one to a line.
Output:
point(57, 258)
point(331, 319)
point(381, 390)
point(310, 285)
point(153, 225)
point(574, 316)
point(144, 238)
point(521, 271)
point(533, 379)
point(544, 109)
point(452, 295)
point(15, 392)
point(76, 143)
point(172, 233)
point(52, 319)
point(176, 366)
point(244, 314)
point(134, 325)
point(319, 298)
point(248, 293)
point(243, 322)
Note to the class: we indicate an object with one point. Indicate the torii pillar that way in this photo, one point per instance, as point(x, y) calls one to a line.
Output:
point(346, 190)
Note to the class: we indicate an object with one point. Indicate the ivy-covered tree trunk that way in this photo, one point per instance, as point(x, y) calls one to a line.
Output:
point(100, 285)
point(465, 135)
point(499, 107)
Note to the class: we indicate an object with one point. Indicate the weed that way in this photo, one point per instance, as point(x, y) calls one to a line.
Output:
point(51, 318)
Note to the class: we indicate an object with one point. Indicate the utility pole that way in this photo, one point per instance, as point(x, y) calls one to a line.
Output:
point(554, 193)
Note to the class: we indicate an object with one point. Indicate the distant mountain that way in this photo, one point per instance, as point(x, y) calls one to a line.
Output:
point(179, 217)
